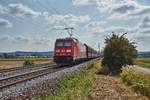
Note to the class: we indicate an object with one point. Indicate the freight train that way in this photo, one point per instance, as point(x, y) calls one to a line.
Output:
point(71, 50)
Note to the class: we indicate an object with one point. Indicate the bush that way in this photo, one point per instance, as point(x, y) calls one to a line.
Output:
point(136, 81)
point(28, 62)
point(118, 52)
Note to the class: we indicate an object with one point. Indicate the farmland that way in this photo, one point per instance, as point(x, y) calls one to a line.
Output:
point(18, 62)
point(143, 62)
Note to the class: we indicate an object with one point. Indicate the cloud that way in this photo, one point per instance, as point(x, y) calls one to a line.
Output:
point(68, 20)
point(5, 23)
point(142, 11)
point(41, 40)
point(4, 38)
point(125, 7)
point(101, 5)
point(95, 27)
point(24, 39)
point(109, 5)
point(19, 10)
point(129, 10)
point(145, 24)
point(122, 16)
point(122, 8)
point(96, 23)
point(20, 39)
point(83, 2)
point(91, 2)
point(139, 33)
point(2, 9)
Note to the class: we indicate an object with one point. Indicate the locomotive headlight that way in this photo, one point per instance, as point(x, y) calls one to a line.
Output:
point(68, 50)
point(57, 50)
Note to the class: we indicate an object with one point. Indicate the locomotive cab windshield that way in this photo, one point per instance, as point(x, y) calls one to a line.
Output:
point(63, 43)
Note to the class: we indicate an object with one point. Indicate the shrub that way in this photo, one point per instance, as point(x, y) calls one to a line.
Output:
point(118, 52)
point(136, 81)
point(28, 62)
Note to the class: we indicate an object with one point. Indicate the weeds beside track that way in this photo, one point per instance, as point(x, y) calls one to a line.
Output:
point(76, 86)
point(138, 82)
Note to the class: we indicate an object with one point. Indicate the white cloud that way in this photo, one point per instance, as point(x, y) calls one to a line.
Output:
point(5, 23)
point(91, 2)
point(139, 33)
point(99, 4)
point(25, 39)
point(4, 38)
point(21, 39)
point(120, 8)
point(145, 22)
point(129, 12)
point(68, 20)
point(19, 10)
point(2, 9)
point(95, 27)
point(83, 2)
point(126, 6)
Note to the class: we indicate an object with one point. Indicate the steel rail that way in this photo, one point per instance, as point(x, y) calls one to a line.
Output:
point(22, 78)
point(11, 81)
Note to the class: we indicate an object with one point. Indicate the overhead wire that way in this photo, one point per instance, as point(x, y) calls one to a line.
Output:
point(44, 6)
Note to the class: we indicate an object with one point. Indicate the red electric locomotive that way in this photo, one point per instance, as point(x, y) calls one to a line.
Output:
point(70, 50)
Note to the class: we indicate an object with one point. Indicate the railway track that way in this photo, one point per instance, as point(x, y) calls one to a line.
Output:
point(12, 80)
point(37, 82)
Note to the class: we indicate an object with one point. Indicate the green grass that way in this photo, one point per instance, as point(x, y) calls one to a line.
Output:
point(76, 86)
point(28, 62)
point(136, 81)
point(143, 62)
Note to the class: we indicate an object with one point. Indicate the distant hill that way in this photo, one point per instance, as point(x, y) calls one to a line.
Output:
point(144, 54)
point(51, 53)
point(25, 53)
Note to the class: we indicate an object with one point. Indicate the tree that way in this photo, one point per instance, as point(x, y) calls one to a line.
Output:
point(5, 55)
point(118, 52)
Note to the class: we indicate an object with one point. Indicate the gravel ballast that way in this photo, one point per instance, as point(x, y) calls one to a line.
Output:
point(44, 85)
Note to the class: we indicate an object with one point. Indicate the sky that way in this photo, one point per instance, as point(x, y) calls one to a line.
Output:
point(34, 25)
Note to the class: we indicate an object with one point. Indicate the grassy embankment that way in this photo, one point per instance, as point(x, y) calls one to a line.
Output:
point(138, 82)
point(76, 86)
point(143, 62)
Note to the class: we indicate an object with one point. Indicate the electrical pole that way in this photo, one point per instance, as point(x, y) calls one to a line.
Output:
point(69, 30)
point(99, 48)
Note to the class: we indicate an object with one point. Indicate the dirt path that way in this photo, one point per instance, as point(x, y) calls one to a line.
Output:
point(111, 88)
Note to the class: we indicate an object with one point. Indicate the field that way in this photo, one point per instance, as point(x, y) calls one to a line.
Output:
point(143, 62)
point(11, 63)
